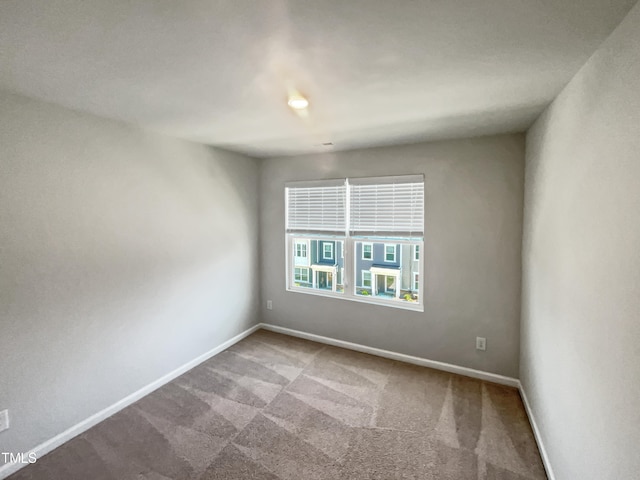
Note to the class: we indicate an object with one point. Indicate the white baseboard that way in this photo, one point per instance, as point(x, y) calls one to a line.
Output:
point(424, 362)
point(536, 434)
point(83, 426)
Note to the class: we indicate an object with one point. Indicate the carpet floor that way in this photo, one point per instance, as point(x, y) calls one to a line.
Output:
point(277, 407)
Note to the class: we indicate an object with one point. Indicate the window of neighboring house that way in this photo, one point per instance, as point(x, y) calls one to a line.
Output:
point(366, 279)
point(416, 281)
point(371, 229)
point(390, 253)
point(327, 251)
point(301, 250)
point(301, 275)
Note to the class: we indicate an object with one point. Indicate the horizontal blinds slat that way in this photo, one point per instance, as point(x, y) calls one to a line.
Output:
point(387, 209)
point(316, 209)
point(387, 180)
point(334, 182)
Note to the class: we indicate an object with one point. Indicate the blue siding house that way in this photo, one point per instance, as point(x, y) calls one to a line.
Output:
point(319, 264)
point(387, 269)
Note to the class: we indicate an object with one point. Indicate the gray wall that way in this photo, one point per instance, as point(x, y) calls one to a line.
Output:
point(473, 223)
point(123, 255)
point(580, 363)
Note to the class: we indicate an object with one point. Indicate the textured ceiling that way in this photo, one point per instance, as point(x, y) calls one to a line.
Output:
point(375, 71)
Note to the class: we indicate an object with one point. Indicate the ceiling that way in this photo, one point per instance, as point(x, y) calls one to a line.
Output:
point(375, 71)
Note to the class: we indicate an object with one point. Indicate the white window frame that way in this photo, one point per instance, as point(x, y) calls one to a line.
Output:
point(301, 243)
point(370, 245)
point(362, 285)
point(324, 256)
point(349, 285)
point(300, 279)
point(395, 252)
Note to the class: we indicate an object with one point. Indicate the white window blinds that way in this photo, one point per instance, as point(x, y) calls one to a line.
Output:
point(316, 207)
point(387, 206)
point(378, 207)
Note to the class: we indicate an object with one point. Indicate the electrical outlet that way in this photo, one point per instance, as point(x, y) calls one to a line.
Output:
point(4, 420)
point(269, 305)
point(481, 343)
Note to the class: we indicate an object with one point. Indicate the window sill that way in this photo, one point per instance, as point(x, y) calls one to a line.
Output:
point(378, 302)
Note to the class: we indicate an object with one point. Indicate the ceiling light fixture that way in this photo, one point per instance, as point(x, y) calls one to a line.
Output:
point(297, 101)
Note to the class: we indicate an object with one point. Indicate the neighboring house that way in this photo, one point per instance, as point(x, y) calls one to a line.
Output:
point(382, 269)
point(387, 269)
point(319, 264)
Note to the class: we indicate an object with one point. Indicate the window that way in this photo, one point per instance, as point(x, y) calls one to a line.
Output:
point(301, 275)
point(319, 272)
point(327, 251)
point(367, 251)
point(390, 253)
point(357, 239)
point(301, 250)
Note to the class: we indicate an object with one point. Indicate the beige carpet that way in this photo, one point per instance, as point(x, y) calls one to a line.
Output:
point(276, 407)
